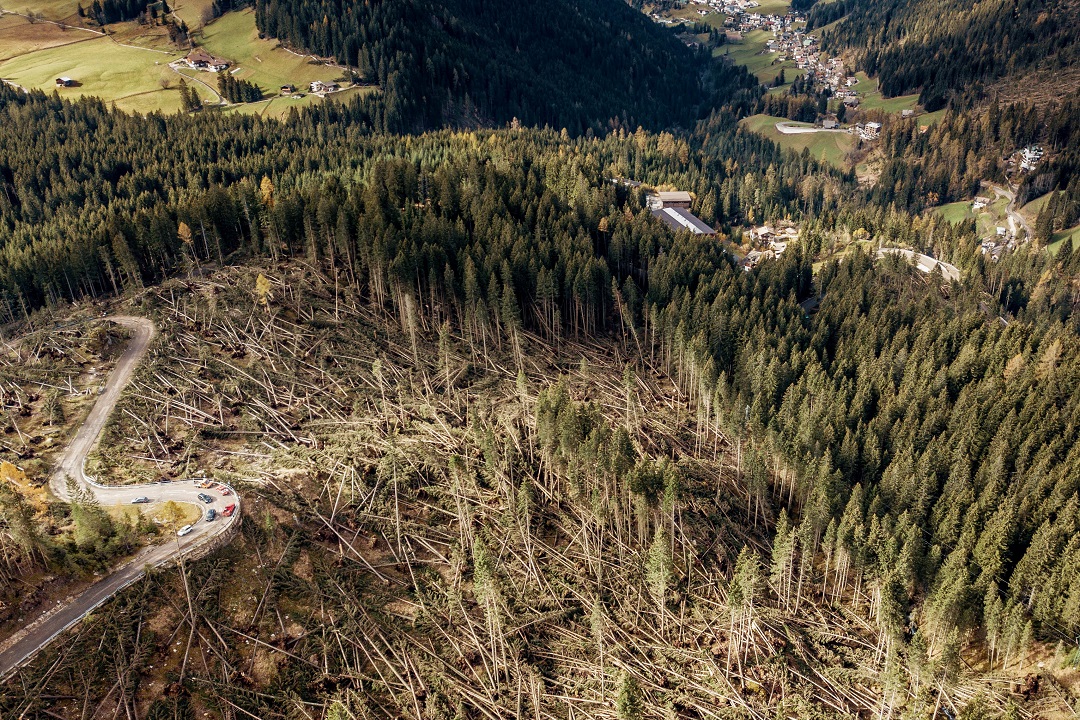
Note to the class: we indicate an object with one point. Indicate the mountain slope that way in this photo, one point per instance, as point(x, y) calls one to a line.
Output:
point(945, 47)
point(566, 63)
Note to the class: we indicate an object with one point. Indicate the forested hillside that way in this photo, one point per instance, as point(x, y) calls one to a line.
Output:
point(539, 449)
point(941, 48)
point(902, 459)
point(90, 198)
point(577, 64)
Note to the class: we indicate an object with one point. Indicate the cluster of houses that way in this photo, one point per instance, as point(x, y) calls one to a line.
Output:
point(673, 209)
point(1003, 238)
point(1030, 157)
point(995, 245)
point(707, 7)
point(769, 244)
point(321, 88)
point(199, 59)
point(793, 44)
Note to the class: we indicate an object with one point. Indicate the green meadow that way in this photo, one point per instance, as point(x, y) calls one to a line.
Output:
point(831, 147)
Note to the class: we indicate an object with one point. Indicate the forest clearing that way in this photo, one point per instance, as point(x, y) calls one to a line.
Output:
point(520, 531)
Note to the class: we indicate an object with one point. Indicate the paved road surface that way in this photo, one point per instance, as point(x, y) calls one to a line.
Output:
point(17, 650)
point(789, 129)
point(925, 263)
point(1015, 218)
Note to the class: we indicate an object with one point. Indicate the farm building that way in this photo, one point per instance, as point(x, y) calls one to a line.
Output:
point(677, 199)
point(678, 218)
point(64, 82)
point(288, 89)
point(199, 59)
point(324, 87)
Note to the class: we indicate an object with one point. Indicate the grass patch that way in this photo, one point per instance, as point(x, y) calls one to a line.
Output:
point(192, 11)
point(875, 101)
point(987, 220)
point(49, 9)
point(956, 212)
point(18, 36)
point(831, 147)
point(931, 118)
point(233, 36)
point(870, 97)
point(1060, 238)
point(773, 7)
point(278, 107)
point(1030, 212)
point(748, 53)
point(130, 77)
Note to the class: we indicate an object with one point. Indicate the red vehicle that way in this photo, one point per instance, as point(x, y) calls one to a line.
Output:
point(229, 510)
point(223, 490)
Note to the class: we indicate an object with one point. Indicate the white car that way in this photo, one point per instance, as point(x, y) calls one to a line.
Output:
point(140, 500)
point(184, 530)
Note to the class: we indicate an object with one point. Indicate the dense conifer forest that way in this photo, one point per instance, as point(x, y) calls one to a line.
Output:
point(578, 64)
point(939, 49)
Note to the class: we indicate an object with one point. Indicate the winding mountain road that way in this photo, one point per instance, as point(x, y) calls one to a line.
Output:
point(21, 647)
point(1015, 219)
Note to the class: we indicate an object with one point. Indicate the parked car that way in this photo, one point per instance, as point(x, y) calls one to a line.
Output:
point(184, 530)
point(211, 515)
point(140, 500)
point(206, 498)
point(223, 490)
point(164, 480)
point(229, 510)
point(203, 483)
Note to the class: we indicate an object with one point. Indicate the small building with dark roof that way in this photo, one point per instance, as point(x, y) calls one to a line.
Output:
point(674, 199)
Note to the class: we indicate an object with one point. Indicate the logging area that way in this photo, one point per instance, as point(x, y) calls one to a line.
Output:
point(49, 379)
point(460, 524)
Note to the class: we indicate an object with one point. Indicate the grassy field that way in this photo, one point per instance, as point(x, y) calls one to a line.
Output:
point(830, 147)
point(987, 220)
point(872, 99)
point(773, 7)
point(1072, 235)
point(49, 9)
point(234, 37)
point(138, 78)
point(931, 118)
point(191, 11)
point(19, 36)
point(748, 53)
point(1031, 211)
point(130, 77)
point(955, 212)
point(875, 101)
point(278, 107)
